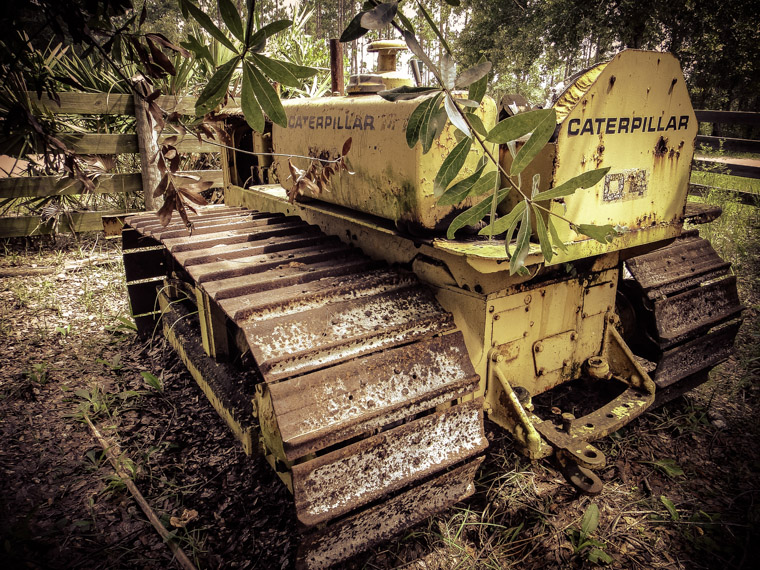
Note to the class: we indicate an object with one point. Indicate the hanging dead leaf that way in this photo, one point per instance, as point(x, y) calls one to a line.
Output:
point(165, 212)
point(161, 187)
point(194, 196)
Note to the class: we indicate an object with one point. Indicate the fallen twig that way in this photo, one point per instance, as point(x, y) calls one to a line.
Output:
point(179, 554)
point(26, 271)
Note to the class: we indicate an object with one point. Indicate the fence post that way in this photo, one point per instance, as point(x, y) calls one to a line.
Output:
point(147, 143)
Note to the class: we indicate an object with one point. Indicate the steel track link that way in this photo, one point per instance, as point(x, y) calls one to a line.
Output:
point(681, 311)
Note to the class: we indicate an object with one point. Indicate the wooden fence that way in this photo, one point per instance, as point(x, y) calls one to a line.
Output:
point(742, 167)
point(87, 104)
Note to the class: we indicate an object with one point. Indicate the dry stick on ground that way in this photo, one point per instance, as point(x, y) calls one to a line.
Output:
point(26, 271)
point(179, 554)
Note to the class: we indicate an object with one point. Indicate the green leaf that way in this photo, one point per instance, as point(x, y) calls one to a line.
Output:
point(454, 3)
point(502, 224)
point(354, 29)
point(512, 128)
point(267, 96)
point(478, 89)
point(667, 466)
point(250, 6)
point(455, 117)
point(537, 141)
point(200, 51)
point(461, 189)
point(485, 184)
point(477, 124)
point(405, 93)
point(543, 235)
point(466, 103)
point(300, 71)
point(380, 16)
point(216, 88)
point(602, 234)
point(555, 236)
point(269, 30)
point(585, 180)
point(433, 27)
point(598, 556)
point(419, 117)
point(590, 520)
point(473, 74)
point(251, 108)
point(671, 507)
point(208, 25)
point(522, 245)
point(475, 214)
point(515, 220)
point(231, 18)
point(451, 166)
point(275, 70)
point(448, 71)
point(417, 50)
point(433, 128)
point(404, 20)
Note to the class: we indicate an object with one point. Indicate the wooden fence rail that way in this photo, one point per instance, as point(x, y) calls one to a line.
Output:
point(87, 104)
point(736, 167)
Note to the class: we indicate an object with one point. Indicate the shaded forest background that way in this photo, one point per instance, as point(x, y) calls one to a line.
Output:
point(533, 44)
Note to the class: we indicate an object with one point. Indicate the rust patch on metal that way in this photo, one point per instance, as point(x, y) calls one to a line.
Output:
point(697, 309)
point(701, 353)
point(334, 544)
point(661, 147)
point(320, 409)
point(685, 263)
point(697, 213)
point(343, 480)
point(330, 334)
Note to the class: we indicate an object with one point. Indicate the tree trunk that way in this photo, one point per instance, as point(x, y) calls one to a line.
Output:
point(147, 142)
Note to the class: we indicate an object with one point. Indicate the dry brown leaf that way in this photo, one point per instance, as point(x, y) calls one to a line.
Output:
point(188, 516)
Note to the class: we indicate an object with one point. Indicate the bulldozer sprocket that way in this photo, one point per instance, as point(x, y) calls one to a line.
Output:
point(365, 388)
point(684, 312)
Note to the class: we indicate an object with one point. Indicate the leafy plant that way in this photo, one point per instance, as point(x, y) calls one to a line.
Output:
point(94, 402)
point(295, 45)
point(115, 365)
point(64, 331)
point(582, 542)
point(153, 381)
point(670, 507)
point(668, 466)
point(38, 373)
point(124, 325)
point(258, 95)
point(446, 103)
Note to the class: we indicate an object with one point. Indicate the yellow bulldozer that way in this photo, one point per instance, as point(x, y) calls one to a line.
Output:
point(359, 348)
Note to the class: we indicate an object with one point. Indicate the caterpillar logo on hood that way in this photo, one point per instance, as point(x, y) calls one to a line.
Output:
point(628, 125)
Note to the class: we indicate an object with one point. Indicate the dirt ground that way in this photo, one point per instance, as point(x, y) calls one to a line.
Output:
point(682, 488)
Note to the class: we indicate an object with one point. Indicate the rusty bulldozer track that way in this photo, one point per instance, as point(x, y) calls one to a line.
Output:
point(362, 385)
point(681, 311)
